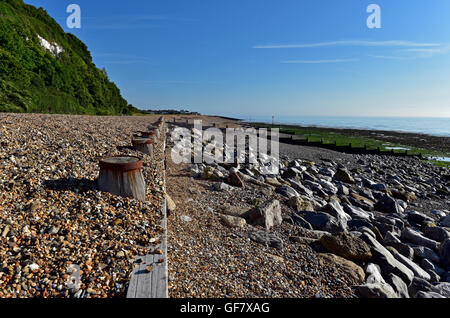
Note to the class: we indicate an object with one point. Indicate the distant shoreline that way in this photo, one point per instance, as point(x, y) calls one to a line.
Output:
point(418, 140)
point(439, 127)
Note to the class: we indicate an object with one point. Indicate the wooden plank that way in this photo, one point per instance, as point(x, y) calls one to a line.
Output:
point(153, 284)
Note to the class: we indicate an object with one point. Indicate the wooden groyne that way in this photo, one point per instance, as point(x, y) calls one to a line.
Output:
point(350, 148)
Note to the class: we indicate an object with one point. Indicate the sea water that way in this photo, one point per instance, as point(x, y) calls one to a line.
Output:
point(428, 126)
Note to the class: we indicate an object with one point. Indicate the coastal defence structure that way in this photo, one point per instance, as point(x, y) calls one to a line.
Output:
point(122, 176)
point(292, 139)
point(350, 148)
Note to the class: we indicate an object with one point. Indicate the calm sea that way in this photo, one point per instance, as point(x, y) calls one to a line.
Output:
point(429, 126)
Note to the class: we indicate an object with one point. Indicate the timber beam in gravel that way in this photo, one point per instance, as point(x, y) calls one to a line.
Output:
point(150, 276)
point(150, 273)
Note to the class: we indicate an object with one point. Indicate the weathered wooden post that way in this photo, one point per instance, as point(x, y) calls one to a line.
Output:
point(122, 176)
point(151, 133)
point(144, 145)
point(156, 129)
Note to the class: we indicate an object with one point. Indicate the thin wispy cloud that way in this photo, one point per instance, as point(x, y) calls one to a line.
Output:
point(427, 52)
point(349, 43)
point(319, 61)
point(415, 53)
point(392, 57)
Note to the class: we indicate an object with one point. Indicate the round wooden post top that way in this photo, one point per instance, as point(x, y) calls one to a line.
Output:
point(120, 163)
point(150, 132)
point(141, 141)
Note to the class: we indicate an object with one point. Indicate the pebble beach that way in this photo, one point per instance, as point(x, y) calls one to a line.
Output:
point(328, 225)
point(52, 216)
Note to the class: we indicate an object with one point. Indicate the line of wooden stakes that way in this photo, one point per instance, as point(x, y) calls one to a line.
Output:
point(122, 175)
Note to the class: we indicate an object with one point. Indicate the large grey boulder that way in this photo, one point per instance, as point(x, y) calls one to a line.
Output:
point(267, 215)
point(324, 222)
point(398, 285)
point(430, 266)
point(343, 190)
point(391, 238)
point(444, 253)
point(298, 204)
point(300, 187)
point(343, 175)
point(445, 221)
point(357, 223)
point(361, 201)
point(378, 290)
point(422, 294)
point(328, 187)
point(417, 217)
point(356, 212)
point(388, 204)
point(387, 262)
point(417, 270)
point(418, 285)
point(415, 237)
point(347, 246)
point(299, 221)
point(442, 289)
point(335, 209)
point(287, 191)
point(291, 173)
point(426, 253)
point(436, 233)
point(346, 267)
point(380, 187)
point(373, 273)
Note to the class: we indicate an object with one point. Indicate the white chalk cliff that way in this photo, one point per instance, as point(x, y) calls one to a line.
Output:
point(53, 48)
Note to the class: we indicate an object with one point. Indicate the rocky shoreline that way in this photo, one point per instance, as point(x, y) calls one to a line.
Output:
point(416, 140)
point(328, 225)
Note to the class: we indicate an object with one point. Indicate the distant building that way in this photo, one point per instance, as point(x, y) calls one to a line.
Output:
point(169, 112)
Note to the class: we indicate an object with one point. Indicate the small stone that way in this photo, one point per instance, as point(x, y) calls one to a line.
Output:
point(186, 218)
point(298, 204)
point(235, 180)
point(171, 206)
point(233, 221)
point(267, 239)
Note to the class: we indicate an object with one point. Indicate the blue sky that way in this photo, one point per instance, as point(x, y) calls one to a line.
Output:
point(271, 57)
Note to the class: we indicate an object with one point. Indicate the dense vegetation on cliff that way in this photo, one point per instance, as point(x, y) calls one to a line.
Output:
point(44, 69)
